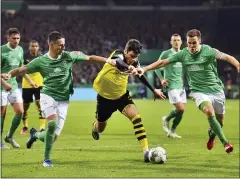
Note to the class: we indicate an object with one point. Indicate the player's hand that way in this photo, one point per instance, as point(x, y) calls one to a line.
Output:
point(111, 61)
point(34, 85)
point(7, 86)
point(164, 83)
point(6, 76)
point(132, 70)
point(158, 93)
point(140, 71)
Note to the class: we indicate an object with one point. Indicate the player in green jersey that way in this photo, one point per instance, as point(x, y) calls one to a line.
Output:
point(11, 57)
point(56, 70)
point(173, 85)
point(199, 63)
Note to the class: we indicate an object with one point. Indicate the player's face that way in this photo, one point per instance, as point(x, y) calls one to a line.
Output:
point(131, 57)
point(14, 40)
point(58, 46)
point(193, 44)
point(176, 42)
point(34, 47)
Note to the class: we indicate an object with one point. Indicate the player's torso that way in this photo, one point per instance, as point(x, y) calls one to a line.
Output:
point(201, 70)
point(173, 73)
point(111, 83)
point(35, 77)
point(11, 59)
point(57, 76)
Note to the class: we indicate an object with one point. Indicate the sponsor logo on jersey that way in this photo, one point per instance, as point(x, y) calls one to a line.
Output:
point(195, 68)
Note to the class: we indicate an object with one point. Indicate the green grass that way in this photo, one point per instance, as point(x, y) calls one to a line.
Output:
point(118, 153)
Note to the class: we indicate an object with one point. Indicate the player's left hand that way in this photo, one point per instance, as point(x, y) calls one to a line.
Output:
point(111, 61)
point(140, 71)
point(5, 76)
point(34, 85)
point(158, 93)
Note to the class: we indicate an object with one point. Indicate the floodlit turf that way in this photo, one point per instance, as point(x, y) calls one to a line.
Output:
point(118, 154)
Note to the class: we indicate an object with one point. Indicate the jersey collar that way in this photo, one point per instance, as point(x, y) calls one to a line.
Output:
point(59, 56)
point(8, 45)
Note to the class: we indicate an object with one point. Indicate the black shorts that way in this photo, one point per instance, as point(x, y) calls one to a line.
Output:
point(27, 94)
point(105, 107)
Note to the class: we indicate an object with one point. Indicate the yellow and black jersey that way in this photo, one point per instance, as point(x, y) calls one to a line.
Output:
point(111, 82)
point(36, 77)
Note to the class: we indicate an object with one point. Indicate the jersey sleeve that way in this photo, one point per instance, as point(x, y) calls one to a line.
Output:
point(178, 57)
point(163, 56)
point(22, 58)
point(77, 56)
point(34, 65)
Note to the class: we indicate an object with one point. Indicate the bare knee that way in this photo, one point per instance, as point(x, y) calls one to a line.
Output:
point(180, 108)
point(208, 110)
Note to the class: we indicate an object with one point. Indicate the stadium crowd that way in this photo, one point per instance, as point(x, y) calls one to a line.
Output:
point(100, 32)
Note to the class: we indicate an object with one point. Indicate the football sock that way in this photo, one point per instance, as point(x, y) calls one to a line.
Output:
point(41, 119)
point(49, 137)
point(171, 115)
point(212, 133)
point(2, 123)
point(15, 123)
point(176, 120)
point(216, 127)
point(40, 135)
point(25, 114)
point(140, 132)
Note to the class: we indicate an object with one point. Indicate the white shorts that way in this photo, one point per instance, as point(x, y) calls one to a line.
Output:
point(217, 100)
point(11, 97)
point(49, 107)
point(177, 96)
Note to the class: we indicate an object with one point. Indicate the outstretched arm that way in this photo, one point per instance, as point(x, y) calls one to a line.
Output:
point(156, 65)
point(18, 71)
point(230, 59)
point(155, 91)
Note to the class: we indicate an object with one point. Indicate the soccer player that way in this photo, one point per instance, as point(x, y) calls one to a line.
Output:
point(31, 89)
point(173, 84)
point(111, 86)
point(11, 57)
point(199, 63)
point(56, 70)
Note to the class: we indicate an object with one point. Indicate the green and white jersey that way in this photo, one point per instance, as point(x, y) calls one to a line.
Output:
point(56, 73)
point(172, 72)
point(11, 59)
point(201, 69)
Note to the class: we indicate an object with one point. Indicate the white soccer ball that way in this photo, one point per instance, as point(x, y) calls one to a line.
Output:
point(158, 155)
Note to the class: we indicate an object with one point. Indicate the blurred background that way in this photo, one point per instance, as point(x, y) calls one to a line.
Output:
point(101, 26)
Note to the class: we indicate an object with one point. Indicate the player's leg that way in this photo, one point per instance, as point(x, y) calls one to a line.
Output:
point(27, 95)
point(128, 108)
point(166, 119)
point(178, 99)
point(15, 98)
point(49, 110)
point(205, 105)
point(42, 120)
point(105, 108)
point(4, 102)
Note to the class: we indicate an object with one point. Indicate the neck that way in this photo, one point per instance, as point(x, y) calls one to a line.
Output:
point(52, 55)
point(176, 49)
point(9, 45)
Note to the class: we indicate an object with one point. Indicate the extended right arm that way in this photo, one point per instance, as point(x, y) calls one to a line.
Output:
point(18, 71)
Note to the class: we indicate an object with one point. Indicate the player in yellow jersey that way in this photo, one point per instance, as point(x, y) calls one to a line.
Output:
point(111, 86)
point(31, 89)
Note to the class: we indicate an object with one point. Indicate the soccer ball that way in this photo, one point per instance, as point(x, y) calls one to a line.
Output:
point(158, 155)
